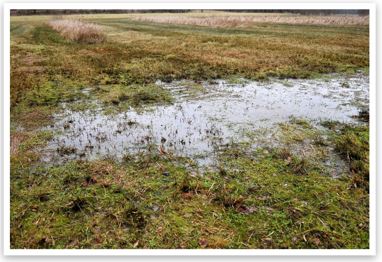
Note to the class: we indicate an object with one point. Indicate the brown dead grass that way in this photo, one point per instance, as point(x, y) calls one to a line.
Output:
point(237, 20)
point(141, 53)
point(35, 117)
point(16, 139)
point(79, 31)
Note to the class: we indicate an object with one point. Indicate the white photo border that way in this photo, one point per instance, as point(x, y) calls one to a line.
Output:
point(194, 252)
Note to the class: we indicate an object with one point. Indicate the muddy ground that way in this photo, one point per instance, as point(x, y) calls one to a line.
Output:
point(145, 141)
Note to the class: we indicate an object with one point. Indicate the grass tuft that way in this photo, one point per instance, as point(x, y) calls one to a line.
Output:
point(353, 144)
point(134, 95)
point(78, 31)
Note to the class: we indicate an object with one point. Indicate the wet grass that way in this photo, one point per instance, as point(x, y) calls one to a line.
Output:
point(192, 89)
point(278, 196)
point(263, 198)
point(53, 92)
point(133, 95)
point(47, 69)
point(353, 145)
point(142, 52)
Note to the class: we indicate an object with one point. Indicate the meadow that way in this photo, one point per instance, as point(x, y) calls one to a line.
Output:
point(306, 186)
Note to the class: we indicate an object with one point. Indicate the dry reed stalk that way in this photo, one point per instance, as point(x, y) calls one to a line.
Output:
point(248, 20)
point(78, 31)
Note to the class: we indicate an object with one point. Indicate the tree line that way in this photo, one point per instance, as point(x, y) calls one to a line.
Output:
point(118, 11)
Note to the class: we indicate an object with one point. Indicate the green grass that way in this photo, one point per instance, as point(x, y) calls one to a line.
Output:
point(264, 198)
point(47, 69)
point(134, 95)
point(142, 53)
point(272, 197)
point(353, 144)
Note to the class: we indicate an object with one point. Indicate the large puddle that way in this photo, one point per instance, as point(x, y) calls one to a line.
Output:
point(197, 125)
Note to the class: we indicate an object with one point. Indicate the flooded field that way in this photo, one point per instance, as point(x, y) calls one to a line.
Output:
point(205, 117)
point(199, 130)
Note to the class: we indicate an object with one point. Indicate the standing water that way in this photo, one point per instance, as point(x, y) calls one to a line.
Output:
point(195, 125)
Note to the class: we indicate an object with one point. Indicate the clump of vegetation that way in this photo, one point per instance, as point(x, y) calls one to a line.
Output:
point(32, 118)
point(134, 95)
point(300, 122)
point(36, 140)
point(50, 93)
point(194, 88)
point(66, 150)
point(235, 80)
point(353, 144)
point(363, 115)
point(25, 147)
point(79, 31)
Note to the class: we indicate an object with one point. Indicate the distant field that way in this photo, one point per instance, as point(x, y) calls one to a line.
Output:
point(221, 19)
point(142, 52)
point(104, 79)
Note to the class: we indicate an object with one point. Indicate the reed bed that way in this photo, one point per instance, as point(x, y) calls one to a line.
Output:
point(78, 31)
point(238, 20)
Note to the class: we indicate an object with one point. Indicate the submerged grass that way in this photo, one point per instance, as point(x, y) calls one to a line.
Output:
point(269, 198)
point(263, 198)
point(134, 95)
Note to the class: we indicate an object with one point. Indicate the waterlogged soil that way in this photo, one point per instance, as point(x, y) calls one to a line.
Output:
point(205, 117)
